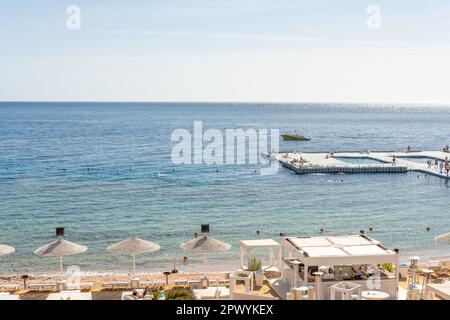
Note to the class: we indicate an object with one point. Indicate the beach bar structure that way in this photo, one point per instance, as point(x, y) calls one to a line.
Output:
point(353, 258)
point(248, 247)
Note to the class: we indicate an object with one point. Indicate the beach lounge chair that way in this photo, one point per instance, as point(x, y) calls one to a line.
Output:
point(211, 293)
point(9, 287)
point(158, 283)
point(42, 286)
point(80, 286)
point(181, 283)
point(195, 285)
point(116, 284)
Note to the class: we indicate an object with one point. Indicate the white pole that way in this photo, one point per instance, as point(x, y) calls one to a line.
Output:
point(281, 259)
point(272, 257)
point(61, 268)
point(397, 274)
point(134, 264)
point(242, 256)
point(295, 270)
point(305, 273)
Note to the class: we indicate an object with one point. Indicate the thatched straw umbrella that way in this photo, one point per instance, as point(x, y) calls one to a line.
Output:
point(443, 238)
point(4, 249)
point(205, 244)
point(60, 248)
point(133, 246)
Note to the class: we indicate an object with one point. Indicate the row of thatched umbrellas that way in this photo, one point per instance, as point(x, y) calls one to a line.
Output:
point(132, 246)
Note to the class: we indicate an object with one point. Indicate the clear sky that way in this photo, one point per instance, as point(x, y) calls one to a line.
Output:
point(226, 50)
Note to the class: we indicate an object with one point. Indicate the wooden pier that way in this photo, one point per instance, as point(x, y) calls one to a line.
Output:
point(334, 163)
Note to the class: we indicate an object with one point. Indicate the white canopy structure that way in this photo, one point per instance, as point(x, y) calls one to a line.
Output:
point(301, 253)
point(273, 247)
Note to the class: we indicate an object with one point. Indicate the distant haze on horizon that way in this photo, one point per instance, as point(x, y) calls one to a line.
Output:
point(285, 51)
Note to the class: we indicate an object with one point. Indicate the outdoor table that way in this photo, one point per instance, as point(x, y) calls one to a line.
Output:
point(374, 295)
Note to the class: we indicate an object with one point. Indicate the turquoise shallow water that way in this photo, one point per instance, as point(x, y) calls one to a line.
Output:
point(103, 171)
point(359, 161)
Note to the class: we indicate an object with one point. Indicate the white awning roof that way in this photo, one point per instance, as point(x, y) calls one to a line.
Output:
point(364, 250)
point(325, 252)
point(260, 243)
point(357, 249)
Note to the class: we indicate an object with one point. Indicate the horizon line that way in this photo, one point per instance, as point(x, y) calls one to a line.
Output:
point(231, 102)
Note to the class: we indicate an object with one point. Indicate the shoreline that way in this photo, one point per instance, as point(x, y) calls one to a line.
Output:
point(194, 270)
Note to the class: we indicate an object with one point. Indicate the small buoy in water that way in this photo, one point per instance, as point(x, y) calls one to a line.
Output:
point(258, 232)
point(370, 229)
point(282, 234)
point(322, 230)
point(428, 228)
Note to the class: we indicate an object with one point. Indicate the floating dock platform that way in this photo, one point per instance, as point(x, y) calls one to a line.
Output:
point(382, 162)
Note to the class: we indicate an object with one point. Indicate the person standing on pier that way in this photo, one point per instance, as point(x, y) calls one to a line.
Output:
point(441, 166)
point(436, 163)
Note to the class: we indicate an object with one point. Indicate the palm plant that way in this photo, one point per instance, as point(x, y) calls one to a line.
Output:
point(255, 264)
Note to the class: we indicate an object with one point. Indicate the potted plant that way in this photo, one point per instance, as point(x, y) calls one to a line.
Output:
point(256, 266)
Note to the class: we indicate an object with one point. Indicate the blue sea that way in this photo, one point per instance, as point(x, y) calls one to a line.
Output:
point(104, 172)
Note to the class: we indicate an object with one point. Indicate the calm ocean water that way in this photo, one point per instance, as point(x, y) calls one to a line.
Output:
point(130, 188)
